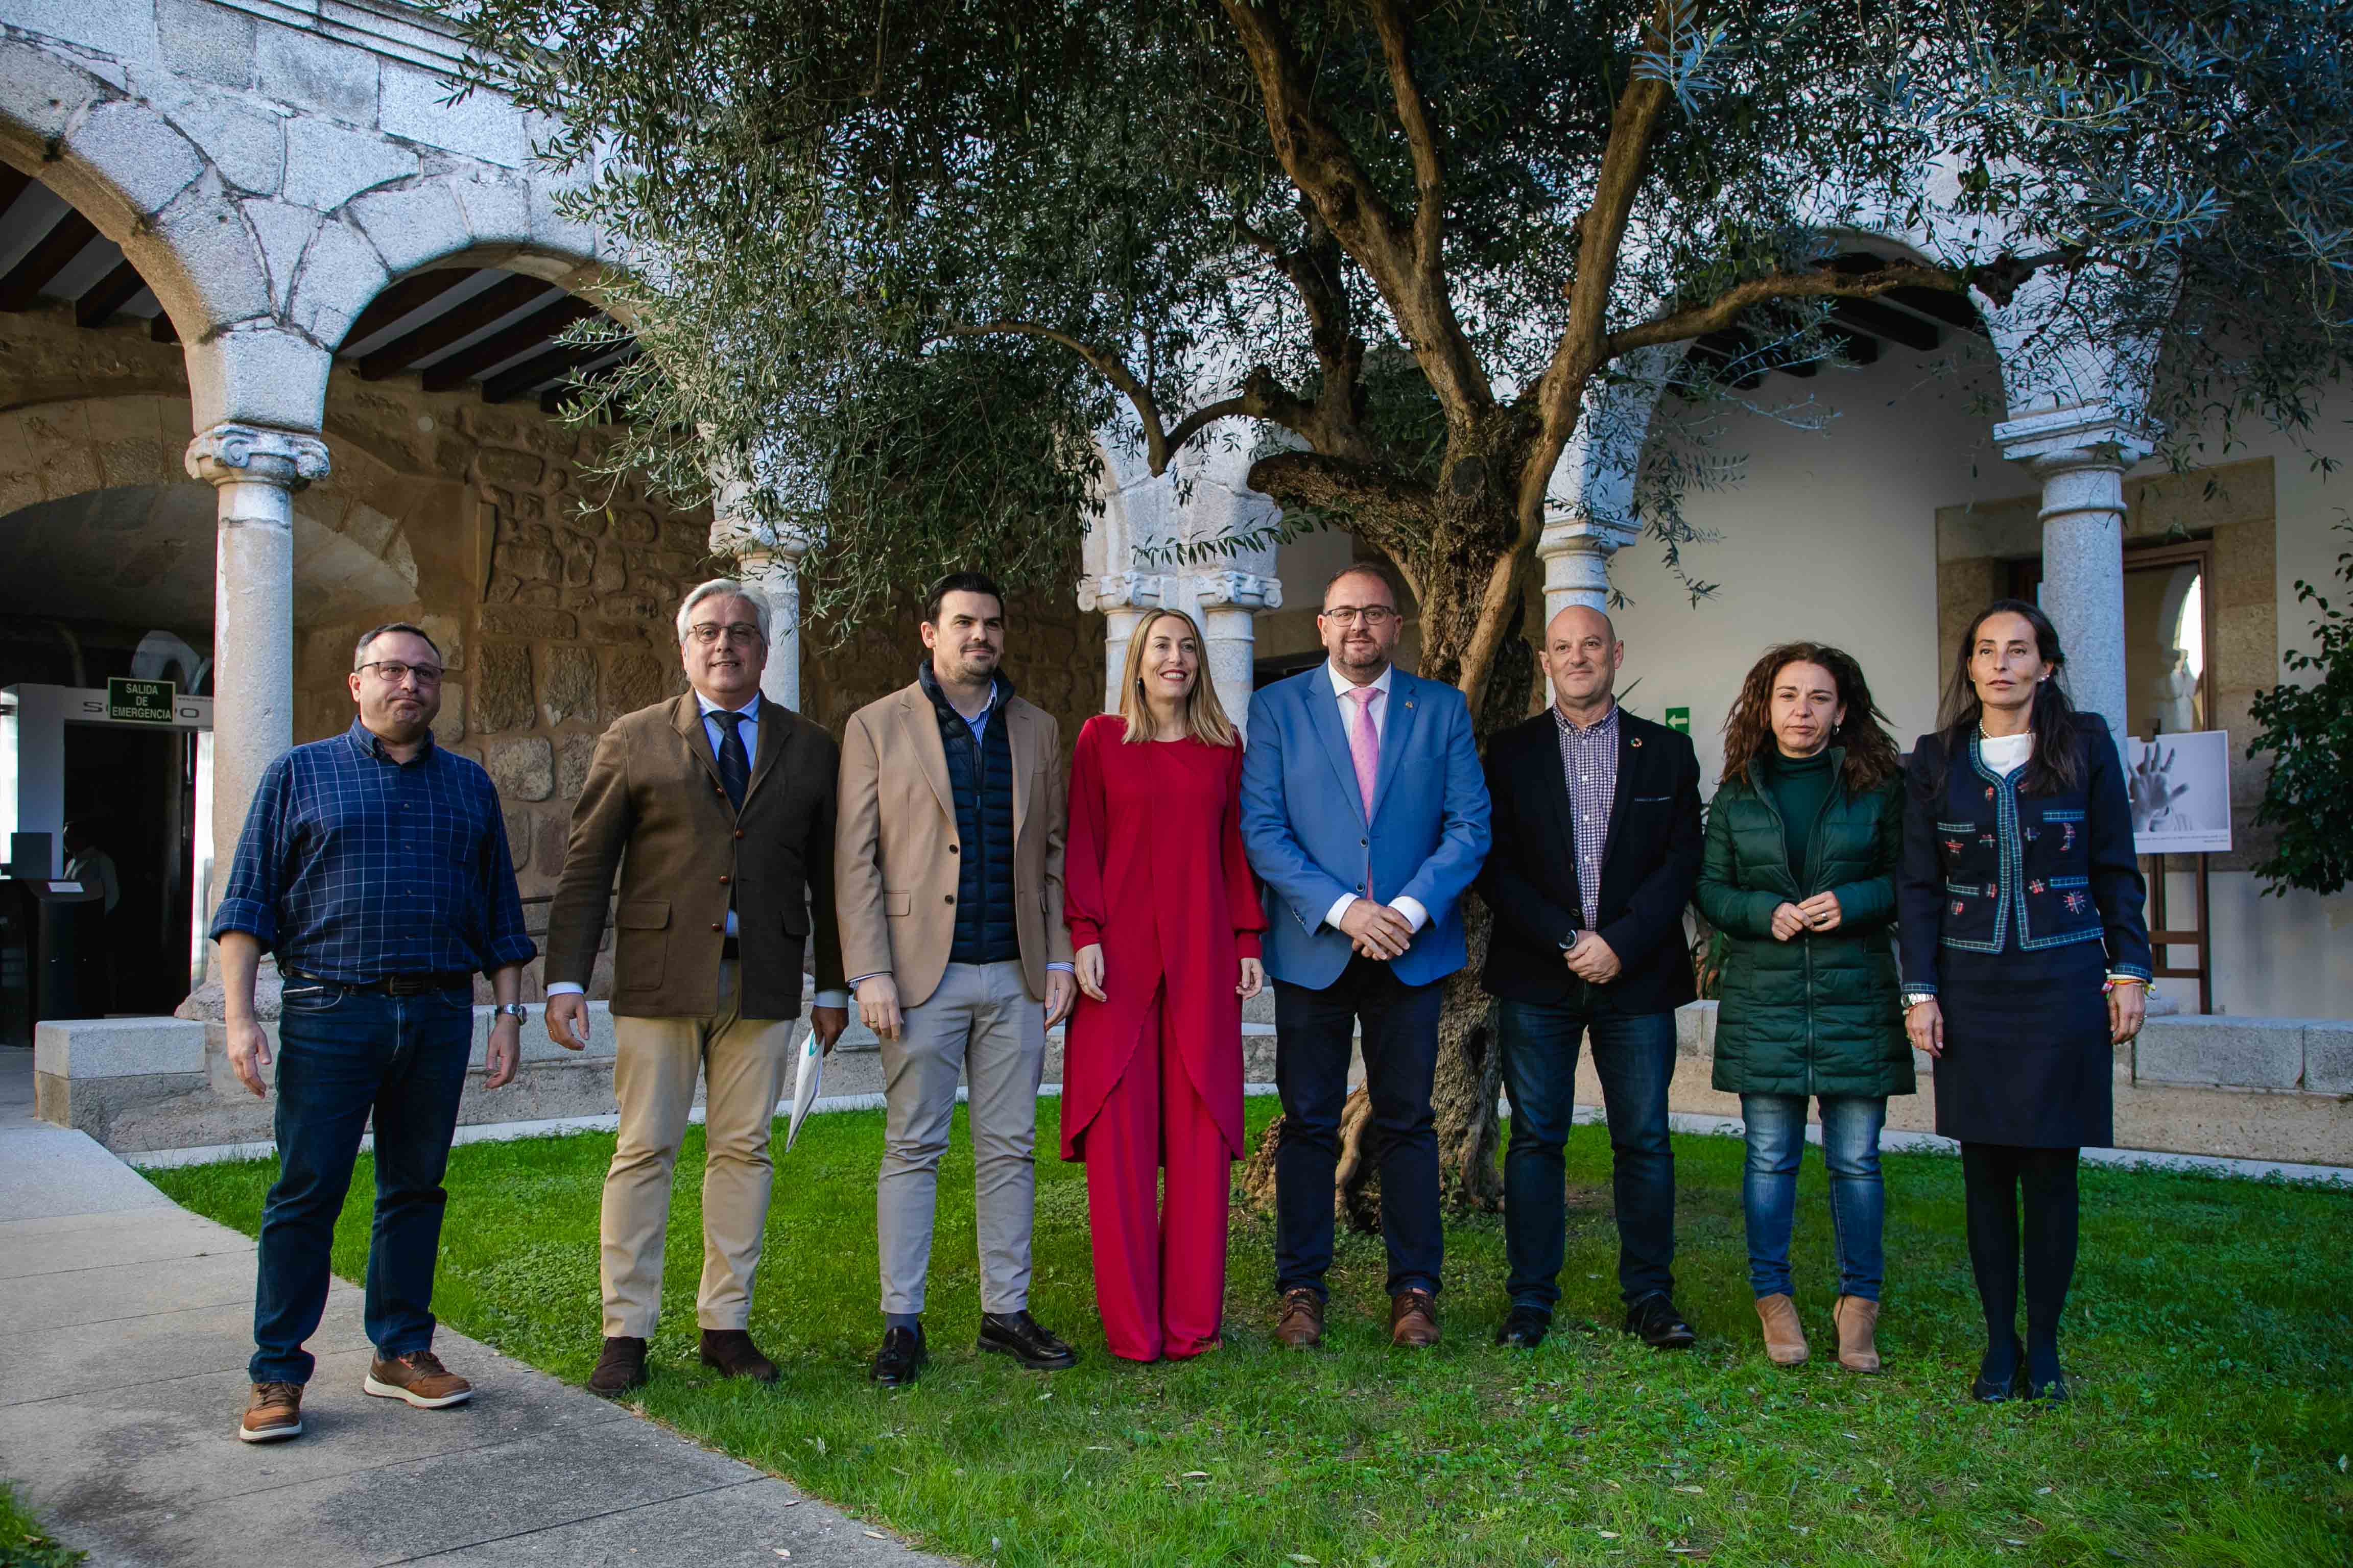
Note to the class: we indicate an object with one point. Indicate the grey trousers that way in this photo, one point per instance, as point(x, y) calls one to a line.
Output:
point(983, 1021)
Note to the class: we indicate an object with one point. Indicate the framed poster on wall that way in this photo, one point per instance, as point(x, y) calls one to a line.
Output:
point(2179, 786)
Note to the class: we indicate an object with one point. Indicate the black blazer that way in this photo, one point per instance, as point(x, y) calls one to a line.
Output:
point(1648, 871)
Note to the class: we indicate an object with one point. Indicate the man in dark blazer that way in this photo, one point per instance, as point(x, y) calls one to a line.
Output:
point(1596, 849)
point(717, 809)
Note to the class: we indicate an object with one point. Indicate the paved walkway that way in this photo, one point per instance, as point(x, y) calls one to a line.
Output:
point(124, 1324)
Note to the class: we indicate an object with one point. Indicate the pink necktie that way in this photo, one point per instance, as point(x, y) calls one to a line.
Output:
point(1364, 745)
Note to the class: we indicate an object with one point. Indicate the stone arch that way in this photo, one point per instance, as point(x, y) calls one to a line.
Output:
point(145, 184)
point(127, 451)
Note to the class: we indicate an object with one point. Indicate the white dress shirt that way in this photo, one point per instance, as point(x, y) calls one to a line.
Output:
point(716, 732)
point(1415, 915)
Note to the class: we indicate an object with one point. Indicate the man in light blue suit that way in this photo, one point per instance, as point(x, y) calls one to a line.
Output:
point(1364, 814)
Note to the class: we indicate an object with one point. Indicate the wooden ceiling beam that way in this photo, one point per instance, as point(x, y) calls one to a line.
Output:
point(461, 320)
point(528, 376)
point(12, 181)
point(108, 294)
point(538, 328)
point(1879, 321)
point(21, 289)
point(413, 292)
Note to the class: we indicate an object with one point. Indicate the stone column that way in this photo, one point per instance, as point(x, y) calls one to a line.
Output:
point(1575, 547)
point(1122, 597)
point(1589, 509)
point(2080, 454)
point(770, 560)
point(1229, 603)
point(256, 469)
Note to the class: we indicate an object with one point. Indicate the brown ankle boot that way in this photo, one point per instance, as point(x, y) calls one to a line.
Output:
point(1857, 1321)
point(1785, 1336)
point(732, 1354)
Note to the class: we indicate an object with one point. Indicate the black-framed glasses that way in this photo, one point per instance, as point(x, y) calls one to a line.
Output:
point(393, 671)
point(1373, 616)
point(709, 632)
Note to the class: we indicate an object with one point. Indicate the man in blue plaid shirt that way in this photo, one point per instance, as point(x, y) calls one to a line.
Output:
point(374, 866)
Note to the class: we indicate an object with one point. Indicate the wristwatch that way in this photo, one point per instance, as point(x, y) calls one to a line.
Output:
point(1914, 998)
point(515, 1010)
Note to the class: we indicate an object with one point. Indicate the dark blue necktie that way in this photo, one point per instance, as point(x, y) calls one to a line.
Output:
point(734, 762)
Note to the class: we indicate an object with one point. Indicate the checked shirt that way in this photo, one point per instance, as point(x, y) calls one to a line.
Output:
point(1588, 762)
point(352, 867)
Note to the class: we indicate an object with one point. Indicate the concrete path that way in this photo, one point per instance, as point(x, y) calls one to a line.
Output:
point(124, 1329)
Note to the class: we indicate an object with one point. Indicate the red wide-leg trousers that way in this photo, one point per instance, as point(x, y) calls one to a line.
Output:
point(1160, 1263)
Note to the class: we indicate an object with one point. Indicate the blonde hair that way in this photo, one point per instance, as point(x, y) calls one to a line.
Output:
point(1205, 716)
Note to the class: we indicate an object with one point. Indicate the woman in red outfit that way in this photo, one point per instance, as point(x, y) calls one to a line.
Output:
point(1166, 922)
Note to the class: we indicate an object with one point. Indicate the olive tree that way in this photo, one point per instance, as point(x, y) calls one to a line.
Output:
point(914, 253)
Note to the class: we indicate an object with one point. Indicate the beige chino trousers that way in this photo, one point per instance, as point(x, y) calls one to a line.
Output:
point(744, 1062)
point(983, 1025)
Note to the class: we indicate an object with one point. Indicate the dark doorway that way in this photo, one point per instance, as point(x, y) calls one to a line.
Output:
point(133, 790)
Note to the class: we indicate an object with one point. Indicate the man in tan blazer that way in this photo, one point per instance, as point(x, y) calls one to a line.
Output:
point(717, 808)
point(948, 872)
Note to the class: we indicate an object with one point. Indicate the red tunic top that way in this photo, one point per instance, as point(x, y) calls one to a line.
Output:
point(1154, 870)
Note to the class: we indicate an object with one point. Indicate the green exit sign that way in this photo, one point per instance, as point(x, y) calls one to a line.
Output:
point(1678, 721)
point(140, 701)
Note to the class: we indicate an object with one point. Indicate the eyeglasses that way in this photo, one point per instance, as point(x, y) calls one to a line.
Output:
point(1374, 616)
point(708, 632)
point(393, 672)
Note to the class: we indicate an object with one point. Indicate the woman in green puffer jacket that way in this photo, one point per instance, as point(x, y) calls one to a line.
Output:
point(1803, 839)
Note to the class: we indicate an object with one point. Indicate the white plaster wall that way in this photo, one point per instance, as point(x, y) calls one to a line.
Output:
point(1831, 535)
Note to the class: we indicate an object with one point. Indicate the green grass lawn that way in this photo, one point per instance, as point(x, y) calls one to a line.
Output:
point(2208, 1340)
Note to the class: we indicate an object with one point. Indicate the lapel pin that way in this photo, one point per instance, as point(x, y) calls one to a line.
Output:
point(1634, 740)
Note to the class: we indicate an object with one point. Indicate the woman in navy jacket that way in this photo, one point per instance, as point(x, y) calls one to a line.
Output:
point(2025, 961)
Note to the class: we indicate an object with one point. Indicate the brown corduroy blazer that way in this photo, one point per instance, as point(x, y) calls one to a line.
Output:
point(896, 853)
point(653, 808)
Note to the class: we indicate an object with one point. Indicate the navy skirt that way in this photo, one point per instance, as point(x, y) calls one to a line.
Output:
point(2027, 1059)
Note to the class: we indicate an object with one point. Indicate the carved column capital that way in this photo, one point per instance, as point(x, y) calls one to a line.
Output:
point(1237, 590)
point(230, 453)
point(748, 540)
point(1121, 591)
point(2060, 440)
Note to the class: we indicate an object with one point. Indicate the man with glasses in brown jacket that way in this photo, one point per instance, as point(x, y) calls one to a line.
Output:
point(717, 808)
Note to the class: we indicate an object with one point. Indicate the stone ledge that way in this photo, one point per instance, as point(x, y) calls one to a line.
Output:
point(117, 1047)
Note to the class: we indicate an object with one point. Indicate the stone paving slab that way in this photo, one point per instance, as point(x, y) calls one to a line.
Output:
point(68, 1243)
point(125, 1324)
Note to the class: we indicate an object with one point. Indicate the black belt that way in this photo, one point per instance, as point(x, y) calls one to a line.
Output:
point(394, 984)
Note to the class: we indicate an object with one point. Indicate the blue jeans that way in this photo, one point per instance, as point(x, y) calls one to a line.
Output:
point(1634, 1055)
point(1769, 1188)
point(342, 1055)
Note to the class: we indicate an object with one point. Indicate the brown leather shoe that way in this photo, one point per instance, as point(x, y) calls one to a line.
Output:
point(273, 1414)
point(732, 1354)
point(418, 1378)
point(619, 1369)
point(1413, 1320)
point(1301, 1324)
point(1857, 1321)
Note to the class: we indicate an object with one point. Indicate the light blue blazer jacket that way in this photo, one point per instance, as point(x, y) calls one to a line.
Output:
point(1303, 822)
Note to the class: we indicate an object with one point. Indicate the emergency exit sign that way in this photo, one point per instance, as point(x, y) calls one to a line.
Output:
point(140, 701)
point(1678, 721)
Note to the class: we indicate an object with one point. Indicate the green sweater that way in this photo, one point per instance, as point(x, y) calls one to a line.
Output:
point(1799, 785)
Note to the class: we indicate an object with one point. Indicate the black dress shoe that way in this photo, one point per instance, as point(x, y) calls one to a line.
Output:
point(1659, 1325)
point(900, 1359)
point(2053, 1392)
point(1022, 1337)
point(1525, 1328)
point(621, 1368)
point(1999, 1377)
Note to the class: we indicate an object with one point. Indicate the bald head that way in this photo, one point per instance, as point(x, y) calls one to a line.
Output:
point(1581, 655)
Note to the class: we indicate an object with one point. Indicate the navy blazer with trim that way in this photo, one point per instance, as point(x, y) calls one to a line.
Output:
point(1988, 867)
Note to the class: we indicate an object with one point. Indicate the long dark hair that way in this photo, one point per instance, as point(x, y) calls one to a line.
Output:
point(1870, 756)
point(2054, 767)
